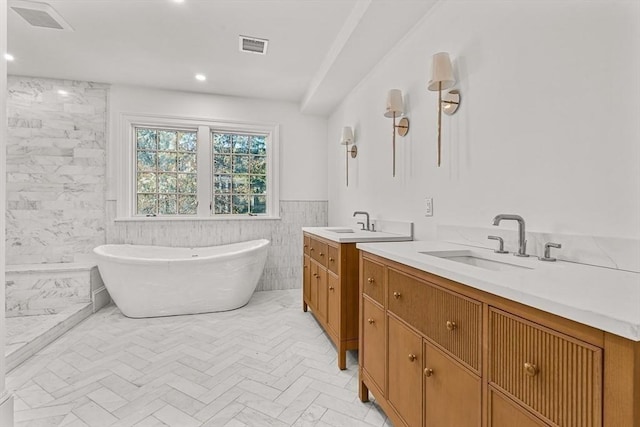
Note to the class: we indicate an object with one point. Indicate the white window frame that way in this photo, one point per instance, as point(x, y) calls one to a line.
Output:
point(126, 165)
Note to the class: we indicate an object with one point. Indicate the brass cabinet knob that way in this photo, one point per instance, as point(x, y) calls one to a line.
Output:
point(371, 321)
point(428, 372)
point(305, 246)
point(370, 280)
point(312, 249)
point(316, 275)
point(531, 369)
point(305, 266)
point(396, 295)
point(451, 325)
point(412, 357)
point(321, 254)
point(331, 259)
point(330, 288)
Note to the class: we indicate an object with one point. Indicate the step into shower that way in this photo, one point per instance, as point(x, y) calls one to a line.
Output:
point(43, 301)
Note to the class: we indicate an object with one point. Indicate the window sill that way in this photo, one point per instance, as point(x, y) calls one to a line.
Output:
point(196, 218)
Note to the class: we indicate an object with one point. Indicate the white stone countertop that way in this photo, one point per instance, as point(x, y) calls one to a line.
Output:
point(603, 298)
point(354, 235)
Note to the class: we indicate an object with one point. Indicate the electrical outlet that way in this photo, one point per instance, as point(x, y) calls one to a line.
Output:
point(428, 205)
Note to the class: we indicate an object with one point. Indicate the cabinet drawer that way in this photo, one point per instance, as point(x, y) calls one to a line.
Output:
point(454, 322)
point(505, 413)
point(306, 244)
point(406, 298)
point(373, 280)
point(373, 351)
point(318, 251)
point(333, 259)
point(556, 376)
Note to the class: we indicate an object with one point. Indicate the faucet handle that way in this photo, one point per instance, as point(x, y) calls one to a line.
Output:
point(547, 251)
point(500, 249)
point(362, 225)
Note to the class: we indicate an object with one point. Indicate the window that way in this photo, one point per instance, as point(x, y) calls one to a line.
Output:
point(182, 168)
point(166, 172)
point(239, 173)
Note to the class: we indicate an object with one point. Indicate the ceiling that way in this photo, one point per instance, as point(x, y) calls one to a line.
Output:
point(318, 49)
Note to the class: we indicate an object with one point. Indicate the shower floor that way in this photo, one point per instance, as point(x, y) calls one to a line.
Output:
point(26, 335)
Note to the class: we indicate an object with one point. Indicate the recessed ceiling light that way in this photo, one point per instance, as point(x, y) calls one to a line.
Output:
point(9, 57)
point(178, 1)
point(201, 77)
point(63, 92)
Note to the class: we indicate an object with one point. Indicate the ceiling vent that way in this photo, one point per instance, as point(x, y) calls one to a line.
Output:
point(40, 15)
point(253, 45)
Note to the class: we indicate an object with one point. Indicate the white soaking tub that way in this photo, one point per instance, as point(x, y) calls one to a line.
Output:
point(151, 281)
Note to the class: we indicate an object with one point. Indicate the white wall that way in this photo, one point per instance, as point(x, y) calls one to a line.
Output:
point(548, 128)
point(6, 400)
point(303, 157)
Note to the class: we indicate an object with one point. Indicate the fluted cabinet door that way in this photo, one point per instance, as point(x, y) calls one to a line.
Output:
point(333, 303)
point(556, 376)
point(447, 388)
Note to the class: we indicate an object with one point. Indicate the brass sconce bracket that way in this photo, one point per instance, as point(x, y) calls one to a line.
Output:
point(402, 127)
point(353, 151)
point(451, 102)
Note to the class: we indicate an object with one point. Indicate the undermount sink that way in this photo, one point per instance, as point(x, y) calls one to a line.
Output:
point(340, 230)
point(477, 260)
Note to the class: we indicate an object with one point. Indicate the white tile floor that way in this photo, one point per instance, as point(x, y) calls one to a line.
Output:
point(266, 364)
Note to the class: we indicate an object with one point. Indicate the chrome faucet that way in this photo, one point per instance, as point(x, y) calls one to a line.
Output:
point(367, 215)
point(522, 249)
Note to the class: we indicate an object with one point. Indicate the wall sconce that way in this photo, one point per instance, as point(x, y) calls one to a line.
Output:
point(395, 108)
point(347, 140)
point(442, 78)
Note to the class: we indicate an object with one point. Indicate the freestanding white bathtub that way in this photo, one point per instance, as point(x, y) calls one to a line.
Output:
point(151, 281)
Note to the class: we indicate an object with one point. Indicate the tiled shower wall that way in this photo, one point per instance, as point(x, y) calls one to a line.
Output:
point(55, 169)
point(284, 261)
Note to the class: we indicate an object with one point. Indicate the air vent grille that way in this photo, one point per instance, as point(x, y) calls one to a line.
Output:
point(40, 15)
point(253, 45)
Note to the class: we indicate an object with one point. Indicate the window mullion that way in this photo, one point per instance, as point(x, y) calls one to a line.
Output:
point(205, 176)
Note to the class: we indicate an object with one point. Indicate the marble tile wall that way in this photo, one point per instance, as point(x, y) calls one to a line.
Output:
point(38, 292)
point(55, 169)
point(609, 252)
point(283, 269)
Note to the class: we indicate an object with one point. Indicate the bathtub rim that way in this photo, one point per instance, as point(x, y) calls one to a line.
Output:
point(246, 246)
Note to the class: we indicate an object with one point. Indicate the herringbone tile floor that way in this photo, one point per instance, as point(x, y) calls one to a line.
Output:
point(266, 364)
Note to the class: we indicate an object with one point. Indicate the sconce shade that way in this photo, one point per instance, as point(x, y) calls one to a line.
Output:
point(441, 72)
point(347, 136)
point(394, 103)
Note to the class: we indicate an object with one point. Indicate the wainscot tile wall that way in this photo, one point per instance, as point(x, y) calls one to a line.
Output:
point(283, 269)
point(55, 169)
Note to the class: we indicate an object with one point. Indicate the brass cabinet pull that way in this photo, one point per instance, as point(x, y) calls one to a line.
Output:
point(370, 280)
point(451, 325)
point(412, 357)
point(428, 372)
point(331, 259)
point(396, 295)
point(371, 321)
point(531, 369)
point(330, 288)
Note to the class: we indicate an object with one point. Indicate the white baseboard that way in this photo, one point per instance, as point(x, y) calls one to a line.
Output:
point(100, 298)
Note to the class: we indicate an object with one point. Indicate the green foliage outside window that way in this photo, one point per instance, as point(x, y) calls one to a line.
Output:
point(166, 179)
point(239, 173)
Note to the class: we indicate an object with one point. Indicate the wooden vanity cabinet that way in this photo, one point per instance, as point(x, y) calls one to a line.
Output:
point(330, 290)
point(455, 356)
